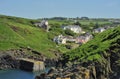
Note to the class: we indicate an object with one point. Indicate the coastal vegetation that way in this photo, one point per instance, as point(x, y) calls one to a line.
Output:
point(18, 33)
point(94, 49)
point(21, 38)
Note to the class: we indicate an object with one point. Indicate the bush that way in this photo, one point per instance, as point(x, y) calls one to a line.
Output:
point(69, 32)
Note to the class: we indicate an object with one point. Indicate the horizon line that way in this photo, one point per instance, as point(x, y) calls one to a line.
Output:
point(60, 16)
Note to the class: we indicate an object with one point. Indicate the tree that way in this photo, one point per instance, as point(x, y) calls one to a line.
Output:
point(96, 25)
point(69, 32)
point(77, 23)
point(91, 24)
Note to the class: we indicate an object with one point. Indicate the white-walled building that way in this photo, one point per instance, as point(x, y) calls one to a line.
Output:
point(98, 30)
point(74, 28)
point(43, 24)
point(84, 38)
point(63, 39)
point(60, 39)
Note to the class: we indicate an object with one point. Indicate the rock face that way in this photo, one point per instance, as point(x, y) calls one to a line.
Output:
point(107, 68)
point(31, 65)
point(8, 62)
point(74, 72)
point(51, 62)
point(9, 59)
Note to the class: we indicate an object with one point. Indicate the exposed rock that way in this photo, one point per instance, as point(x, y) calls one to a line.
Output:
point(7, 61)
point(10, 59)
point(51, 62)
point(77, 72)
point(31, 65)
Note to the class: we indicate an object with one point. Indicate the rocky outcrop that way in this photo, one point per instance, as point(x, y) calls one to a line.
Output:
point(74, 72)
point(9, 58)
point(51, 62)
point(106, 68)
point(24, 53)
point(8, 62)
point(31, 65)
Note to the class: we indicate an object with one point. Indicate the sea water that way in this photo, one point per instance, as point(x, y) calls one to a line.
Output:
point(19, 74)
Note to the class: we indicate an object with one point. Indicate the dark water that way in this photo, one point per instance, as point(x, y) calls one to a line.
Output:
point(18, 74)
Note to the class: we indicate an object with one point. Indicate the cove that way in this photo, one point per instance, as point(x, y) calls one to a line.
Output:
point(19, 74)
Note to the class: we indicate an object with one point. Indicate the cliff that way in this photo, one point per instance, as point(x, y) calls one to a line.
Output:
point(97, 59)
point(102, 52)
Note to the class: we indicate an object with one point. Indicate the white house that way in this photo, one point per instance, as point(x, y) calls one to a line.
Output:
point(98, 30)
point(88, 37)
point(63, 39)
point(84, 38)
point(43, 24)
point(60, 39)
point(74, 28)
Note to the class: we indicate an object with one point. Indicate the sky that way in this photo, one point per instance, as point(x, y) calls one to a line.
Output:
point(61, 8)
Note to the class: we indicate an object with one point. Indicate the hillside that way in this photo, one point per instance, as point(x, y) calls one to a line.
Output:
point(101, 55)
point(94, 49)
point(97, 59)
point(18, 33)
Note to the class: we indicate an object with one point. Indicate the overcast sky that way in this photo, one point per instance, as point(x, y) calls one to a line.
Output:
point(64, 8)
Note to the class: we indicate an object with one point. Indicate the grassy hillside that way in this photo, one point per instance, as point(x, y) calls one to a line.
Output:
point(16, 32)
point(97, 47)
point(20, 32)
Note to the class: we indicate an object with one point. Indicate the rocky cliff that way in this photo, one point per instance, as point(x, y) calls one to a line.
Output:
point(97, 59)
point(10, 59)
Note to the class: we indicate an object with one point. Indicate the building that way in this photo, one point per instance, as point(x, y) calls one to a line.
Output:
point(80, 40)
point(84, 38)
point(60, 39)
point(107, 27)
point(99, 30)
point(63, 39)
point(74, 28)
point(43, 24)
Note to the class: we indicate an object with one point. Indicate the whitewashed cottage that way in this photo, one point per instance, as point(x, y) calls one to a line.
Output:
point(43, 24)
point(98, 30)
point(74, 28)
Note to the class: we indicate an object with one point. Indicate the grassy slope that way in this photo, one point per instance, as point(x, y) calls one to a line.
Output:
point(83, 22)
point(94, 49)
point(19, 32)
point(87, 22)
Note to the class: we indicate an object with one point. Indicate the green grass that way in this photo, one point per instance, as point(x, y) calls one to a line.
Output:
point(83, 22)
point(87, 22)
point(16, 32)
point(94, 49)
point(19, 32)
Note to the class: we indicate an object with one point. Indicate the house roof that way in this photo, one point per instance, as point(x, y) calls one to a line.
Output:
point(100, 28)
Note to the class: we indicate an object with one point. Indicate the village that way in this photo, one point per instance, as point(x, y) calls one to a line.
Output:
point(81, 37)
